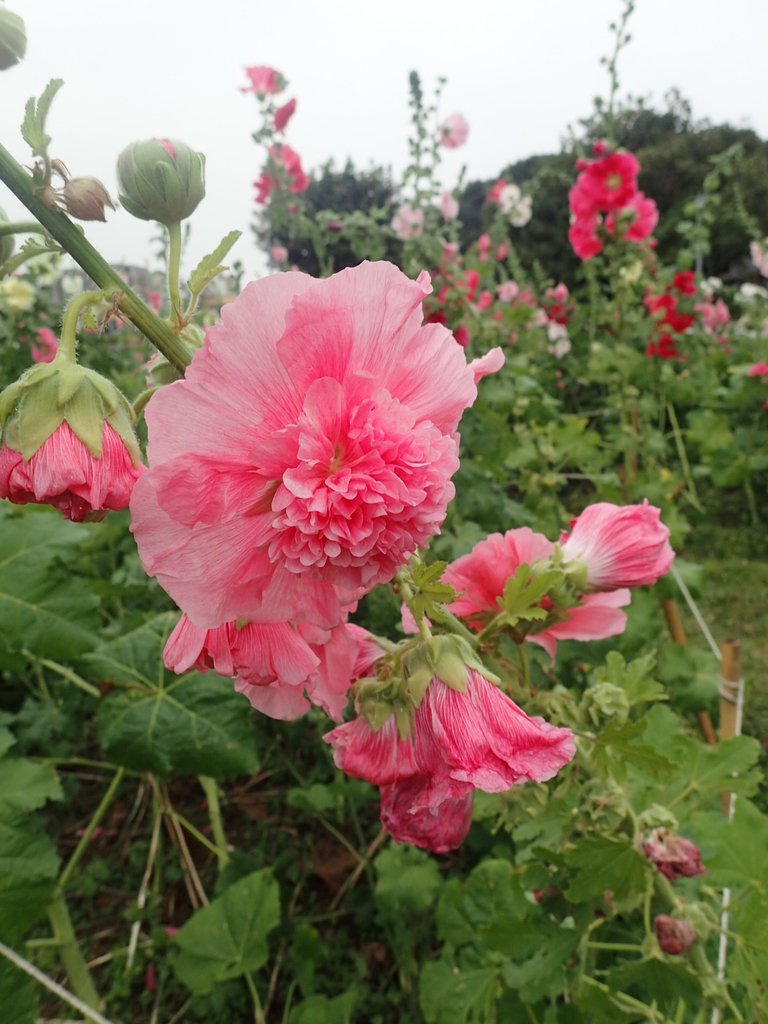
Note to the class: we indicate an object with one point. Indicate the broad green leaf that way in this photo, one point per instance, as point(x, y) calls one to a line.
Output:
point(18, 997)
point(449, 996)
point(43, 607)
point(28, 870)
point(408, 880)
point(606, 864)
point(35, 114)
point(322, 1010)
point(159, 722)
point(487, 910)
point(26, 785)
point(734, 853)
point(543, 974)
point(228, 938)
point(654, 978)
point(209, 266)
point(633, 678)
point(614, 749)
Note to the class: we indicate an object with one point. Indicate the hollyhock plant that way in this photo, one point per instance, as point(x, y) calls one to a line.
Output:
point(46, 347)
point(449, 206)
point(308, 452)
point(619, 546)
point(453, 132)
point(407, 222)
point(639, 218)
point(433, 814)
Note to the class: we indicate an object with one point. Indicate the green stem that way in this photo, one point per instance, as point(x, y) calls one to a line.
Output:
point(408, 596)
point(683, 456)
point(85, 839)
point(141, 402)
point(174, 264)
point(71, 955)
point(68, 346)
point(525, 665)
point(458, 626)
point(211, 790)
point(64, 672)
point(67, 234)
point(618, 947)
point(20, 227)
point(258, 1011)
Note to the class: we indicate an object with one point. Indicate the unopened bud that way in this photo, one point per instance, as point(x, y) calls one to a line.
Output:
point(161, 179)
point(675, 935)
point(13, 39)
point(86, 199)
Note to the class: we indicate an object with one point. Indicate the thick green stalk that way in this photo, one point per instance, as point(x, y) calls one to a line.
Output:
point(69, 235)
point(71, 955)
point(174, 266)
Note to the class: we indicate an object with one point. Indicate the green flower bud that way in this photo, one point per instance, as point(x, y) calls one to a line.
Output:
point(160, 179)
point(13, 39)
point(606, 700)
point(6, 241)
point(47, 394)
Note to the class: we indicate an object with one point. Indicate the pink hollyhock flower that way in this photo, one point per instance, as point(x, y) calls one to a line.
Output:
point(264, 81)
point(582, 234)
point(673, 855)
point(450, 251)
point(483, 245)
point(434, 814)
point(47, 346)
point(449, 206)
point(508, 291)
point(63, 473)
point(758, 370)
point(278, 254)
point(496, 190)
point(485, 299)
point(759, 257)
point(407, 222)
point(289, 161)
point(284, 114)
point(308, 451)
point(502, 251)
point(644, 218)
point(608, 183)
point(478, 739)
point(675, 936)
point(265, 185)
point(596, 617)
point(155, 301)
point(714, 314)
point(453, 132)
point(619, 546)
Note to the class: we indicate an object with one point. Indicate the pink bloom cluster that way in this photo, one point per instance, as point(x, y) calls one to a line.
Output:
point(63, 473)
point(407, 222)
point(459, 742)
point(305, 456)
point(287, 172)
point(606, 196)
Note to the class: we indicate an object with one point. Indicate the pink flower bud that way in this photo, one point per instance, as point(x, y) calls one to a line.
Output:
point(619, 546)
point(675, 935)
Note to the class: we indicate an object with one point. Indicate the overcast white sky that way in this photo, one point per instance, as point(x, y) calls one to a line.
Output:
point(520, 71)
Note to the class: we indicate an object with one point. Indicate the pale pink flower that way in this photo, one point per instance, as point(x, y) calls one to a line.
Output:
point(540, 319)
point(308, 451)
point(619, 546)
point(407, 222)
point(759, 256)
point(63, 473)
point(47, 346)
point(508, 291)
point(502, 251)
point(450, 251)
point(453, 132)
point(449, 206)
point(433, 814)
point(264, 81)
point(483, 245)
point(758, 370)
point(278, 254)
point(284, 114)
point(714, 314)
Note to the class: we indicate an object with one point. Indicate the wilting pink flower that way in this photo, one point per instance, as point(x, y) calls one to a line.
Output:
point(478, 739)
point(620, 546)
point(675, 935)
point(449, 206)
point(284, 114)
point(407, 222)
point(278, 254)
point(758, 370)
point(673, 855)
point(308, 451)
point(63, 473)
point(264, 81)
point(453, 132)
point(47, 346)
point(433, 814)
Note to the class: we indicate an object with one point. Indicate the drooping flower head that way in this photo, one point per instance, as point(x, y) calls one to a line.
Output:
point(307, 454)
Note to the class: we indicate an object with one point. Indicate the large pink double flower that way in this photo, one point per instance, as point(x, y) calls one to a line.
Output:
point(308, 452)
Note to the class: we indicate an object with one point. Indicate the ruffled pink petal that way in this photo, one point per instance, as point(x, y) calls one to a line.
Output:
point(434, 814)
point(483, 366)
point(597, 616)
point(275, 700)
point(379, 757)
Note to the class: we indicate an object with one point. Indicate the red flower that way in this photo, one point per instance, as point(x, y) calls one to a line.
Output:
point(685, 282)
